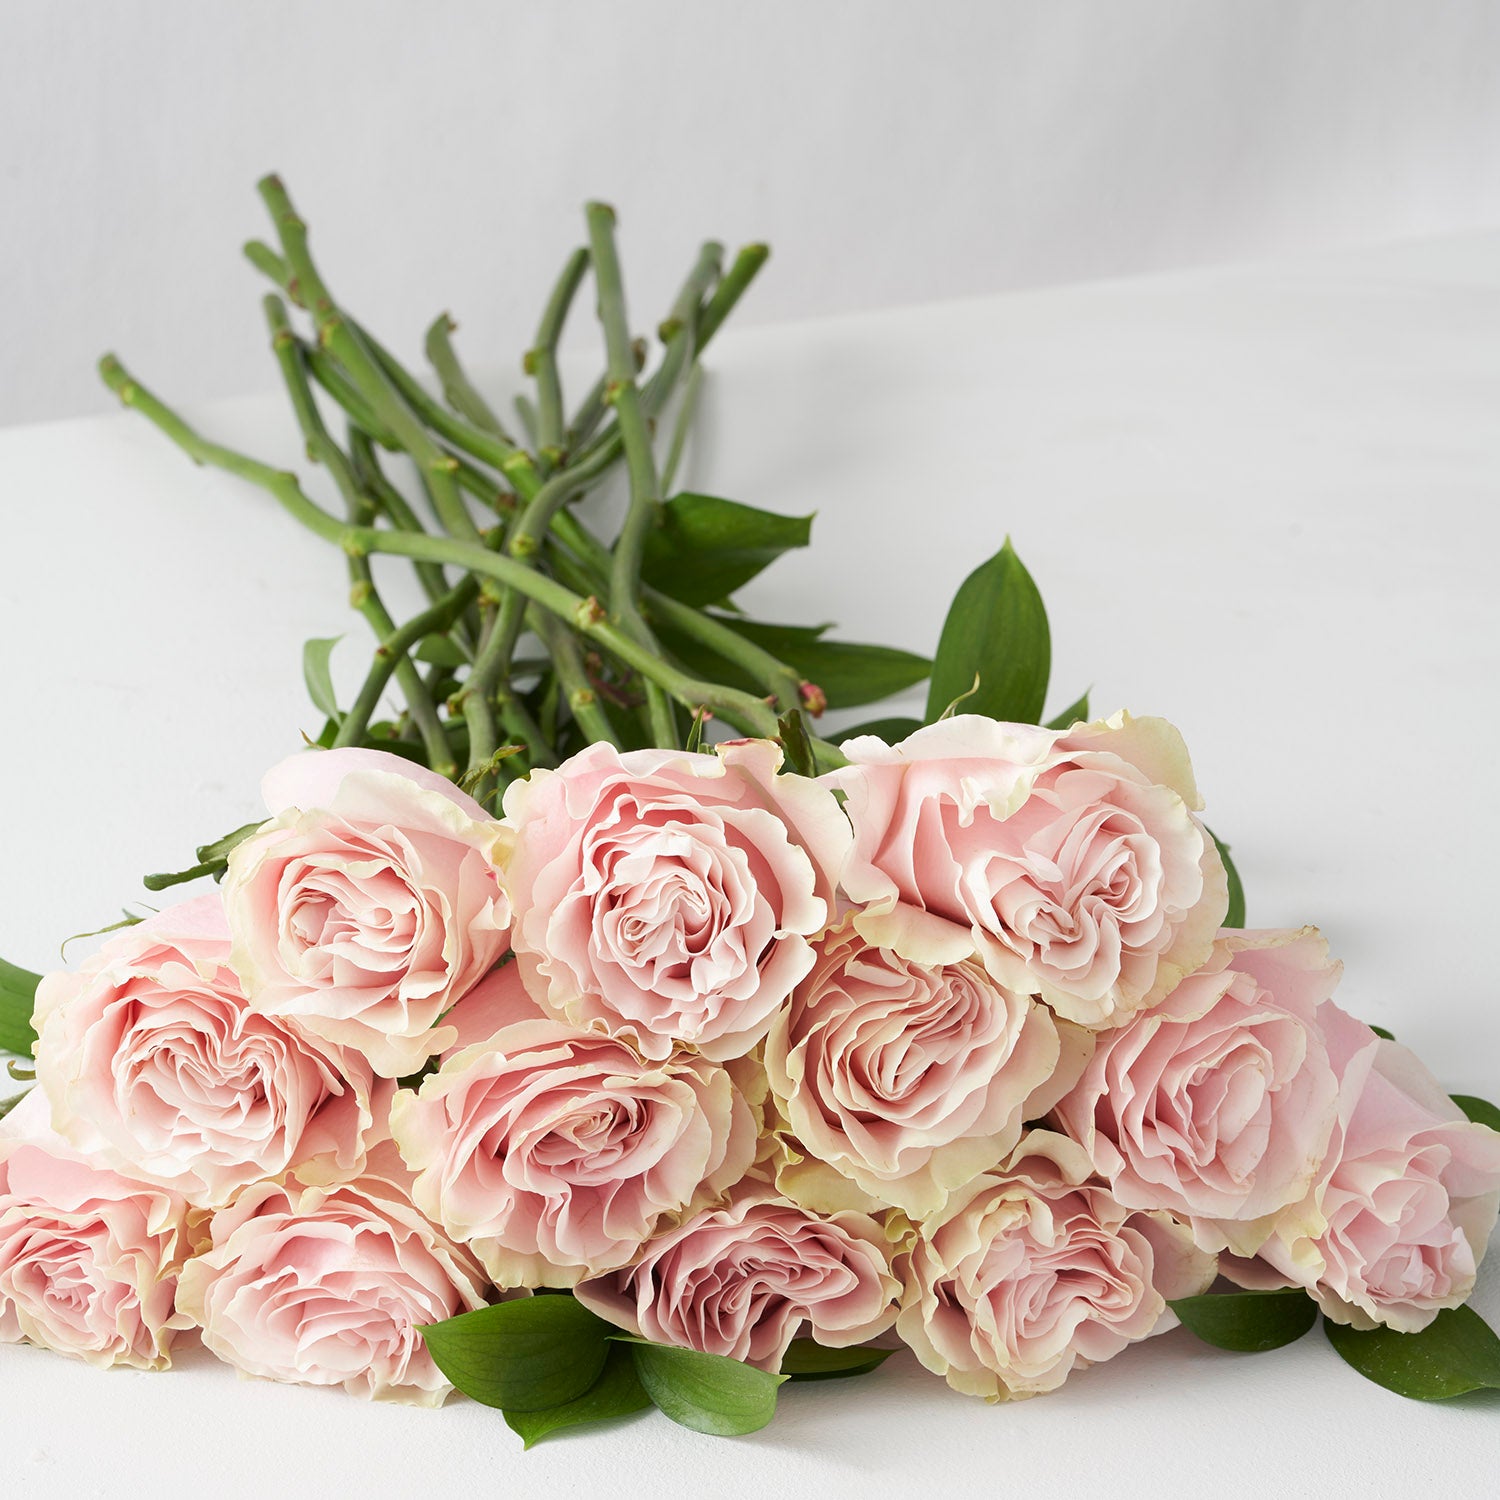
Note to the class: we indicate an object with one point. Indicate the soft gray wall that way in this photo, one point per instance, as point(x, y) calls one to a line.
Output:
point(891, 151)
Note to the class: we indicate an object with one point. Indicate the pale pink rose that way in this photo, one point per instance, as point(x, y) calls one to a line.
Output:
point(909, 1079)
point(1394, 1228)
point(669, 897)
point(330, 1286)
point(88, 1259)
point(553, 1153)
point(1073, 862)
point(1033, 1271)
point(154, 1063)
point(746, 1279)
point(368, 905)
point(1218, 1104)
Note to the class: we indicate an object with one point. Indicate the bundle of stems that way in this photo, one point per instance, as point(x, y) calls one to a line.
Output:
point(502, 555)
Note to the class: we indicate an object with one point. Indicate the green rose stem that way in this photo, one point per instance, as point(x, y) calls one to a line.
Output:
point(685, 414)
point(630, 420)
point(782, 683)
point(362, 593)
point(541, 360)
point(437, 619)
point(592, 408)
point(339, 337)
point(544, 508)
point(779, 680)
point(490, 677)
point(458, 390)
point(392, 503)
point(749, 714)
point(729, 291)
point(567, 661)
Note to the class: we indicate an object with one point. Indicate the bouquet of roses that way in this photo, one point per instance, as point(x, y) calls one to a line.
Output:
point(590, 1034)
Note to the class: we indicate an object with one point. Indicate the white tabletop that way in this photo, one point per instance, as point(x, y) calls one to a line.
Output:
point(1262, 502)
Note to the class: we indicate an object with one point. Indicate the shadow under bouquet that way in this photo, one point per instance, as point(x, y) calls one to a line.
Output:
point(590, 1034)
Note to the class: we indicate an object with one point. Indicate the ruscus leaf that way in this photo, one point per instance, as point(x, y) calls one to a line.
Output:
point(996, 630)
point(706, 1392)
point(1480, 1111)
point(529, 1354)
point(441, 651)
point(796, 744)
point(1235, 916)
point(850, 673)
point(703, 548)
point(1076, 712)
point(617, 1392)
point(1456, 1353)
point(315, 674)
point(890, 730)
point(1248, 1322)
point(17, 1000)
point(806, 1360)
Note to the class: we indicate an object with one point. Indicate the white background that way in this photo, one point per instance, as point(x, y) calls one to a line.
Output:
point(891, 151)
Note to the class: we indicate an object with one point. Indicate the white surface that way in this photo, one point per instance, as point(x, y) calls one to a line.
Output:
point(1262, 503)
point(890, 151)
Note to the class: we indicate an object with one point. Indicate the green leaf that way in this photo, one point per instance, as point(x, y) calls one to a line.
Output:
point(220, 848)
point(1076, 712)
point(441, 651)
point(1389, 1036)
point(1248, 1322)
point(1480, 1111)
point(525, 1355)
point(315, 674)
point(848, 672)
point(703, 548)
point(796, 744)
point(127, 919)
point(890, 730)
point(996, 630)
point(1456, 1353)
point(1235, 916)
point(617, 1392)
point(165, 880)
point(806, 1360)
point(705, 1391)
point(6, 1105)
point(17, 1000)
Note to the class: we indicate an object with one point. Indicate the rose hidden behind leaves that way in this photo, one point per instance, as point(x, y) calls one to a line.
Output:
point(950, 1038)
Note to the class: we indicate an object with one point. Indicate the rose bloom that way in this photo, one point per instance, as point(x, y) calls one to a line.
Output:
point(909, 1079)
point(150, 1052)
point(88, 1259)
point(368, 905)
point(669, 897)
point(1034, 1270)
point(746, 1279)
point(554, 1152)
point(1218, 1104)
point(1394, 1228)
point(1073, 862)
point(329, 1286)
